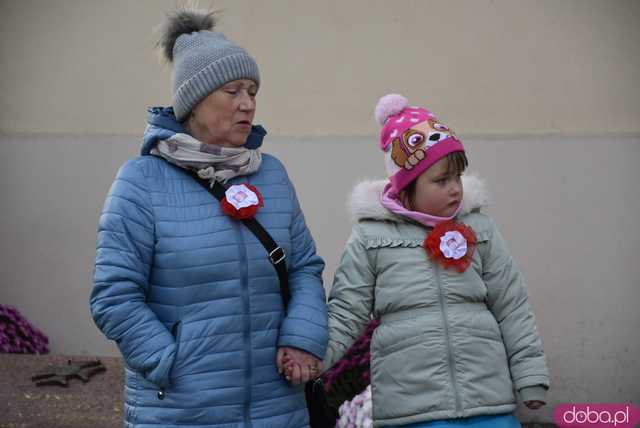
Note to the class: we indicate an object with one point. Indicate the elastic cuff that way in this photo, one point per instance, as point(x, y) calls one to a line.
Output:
point(531, 393)
point(302, 343)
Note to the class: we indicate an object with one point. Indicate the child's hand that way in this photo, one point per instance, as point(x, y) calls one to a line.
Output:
point(534, 404)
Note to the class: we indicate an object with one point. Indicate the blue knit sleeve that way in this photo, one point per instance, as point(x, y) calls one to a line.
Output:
point(305, 326)
point(124, 256)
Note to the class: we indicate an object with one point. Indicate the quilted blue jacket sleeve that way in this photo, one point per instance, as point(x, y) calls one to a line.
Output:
point(123, 258)
point(305, 326)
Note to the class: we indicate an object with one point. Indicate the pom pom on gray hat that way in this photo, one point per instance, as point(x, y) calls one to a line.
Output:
point(203, 59)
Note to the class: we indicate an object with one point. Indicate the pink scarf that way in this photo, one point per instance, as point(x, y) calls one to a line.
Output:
point(390, 201)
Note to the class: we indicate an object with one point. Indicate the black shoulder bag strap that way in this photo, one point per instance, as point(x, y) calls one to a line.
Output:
point(275, 252)
point(320, 416)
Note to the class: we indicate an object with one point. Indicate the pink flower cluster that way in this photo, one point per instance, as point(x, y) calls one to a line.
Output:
point(18, 336)
point(357, 413)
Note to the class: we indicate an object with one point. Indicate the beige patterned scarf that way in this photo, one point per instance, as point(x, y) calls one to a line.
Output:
point(210, 161)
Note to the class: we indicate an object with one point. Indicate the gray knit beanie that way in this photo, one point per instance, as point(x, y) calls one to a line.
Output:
point(203, 60)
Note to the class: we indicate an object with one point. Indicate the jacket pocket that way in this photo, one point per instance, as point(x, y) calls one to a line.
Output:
point(131, 394)
point(483, 371)
point(482, 363)
point(398, 345)
point(409, 377)
point(483, 324)
point(176, 329)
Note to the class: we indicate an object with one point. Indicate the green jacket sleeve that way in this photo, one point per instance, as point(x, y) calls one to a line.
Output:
point(508, 302)
point(351, 298)
point(532, 393)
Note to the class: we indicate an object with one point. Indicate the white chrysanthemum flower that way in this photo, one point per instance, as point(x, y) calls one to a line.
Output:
point(453, 245)
point(240, 196)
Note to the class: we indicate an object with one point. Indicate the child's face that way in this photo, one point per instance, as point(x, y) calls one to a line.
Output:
point(438, 191)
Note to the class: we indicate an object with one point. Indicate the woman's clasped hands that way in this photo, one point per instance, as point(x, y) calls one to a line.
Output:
point(298, 366)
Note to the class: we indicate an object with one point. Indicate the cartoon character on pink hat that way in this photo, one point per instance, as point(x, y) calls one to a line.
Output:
point(412, 139)
point(410, 147)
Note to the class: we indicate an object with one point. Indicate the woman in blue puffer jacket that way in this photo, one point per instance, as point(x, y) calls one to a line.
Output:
point(186, 290)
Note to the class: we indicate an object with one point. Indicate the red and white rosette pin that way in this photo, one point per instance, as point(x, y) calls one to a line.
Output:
point(451, 244)
point(241, 201)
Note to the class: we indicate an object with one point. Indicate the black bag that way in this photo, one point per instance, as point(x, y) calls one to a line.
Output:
point(320, 415)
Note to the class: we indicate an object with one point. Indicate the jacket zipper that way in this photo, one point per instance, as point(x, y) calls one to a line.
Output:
point(452, 362)
point(246, 324)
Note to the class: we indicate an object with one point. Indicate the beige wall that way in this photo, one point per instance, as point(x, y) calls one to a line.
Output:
point(568, 208)
point(487, 67)
point(77, 75)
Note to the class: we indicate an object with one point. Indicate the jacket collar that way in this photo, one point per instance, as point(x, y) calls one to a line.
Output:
point(364, 202)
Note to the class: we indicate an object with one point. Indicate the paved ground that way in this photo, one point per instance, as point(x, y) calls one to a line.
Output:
point(96, 404)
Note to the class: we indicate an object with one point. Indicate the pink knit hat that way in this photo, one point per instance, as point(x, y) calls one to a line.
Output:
point(412, 139)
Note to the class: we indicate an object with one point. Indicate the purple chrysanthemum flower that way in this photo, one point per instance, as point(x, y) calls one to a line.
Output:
point(351, 374)
point(17, 335)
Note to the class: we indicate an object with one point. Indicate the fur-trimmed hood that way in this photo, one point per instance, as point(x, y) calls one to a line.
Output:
point(364, 202)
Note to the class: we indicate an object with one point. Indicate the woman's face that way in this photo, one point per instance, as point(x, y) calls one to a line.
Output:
point(225, 116)
point(438, 191)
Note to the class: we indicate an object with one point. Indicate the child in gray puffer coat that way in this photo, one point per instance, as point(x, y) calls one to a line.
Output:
point(457, 337)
